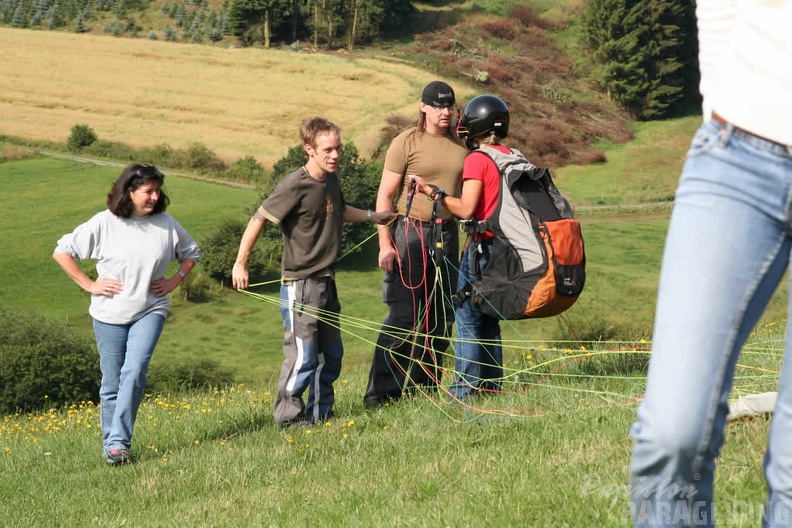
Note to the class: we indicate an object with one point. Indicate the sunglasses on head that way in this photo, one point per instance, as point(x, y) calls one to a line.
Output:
point(144, 172)
point(147, 171)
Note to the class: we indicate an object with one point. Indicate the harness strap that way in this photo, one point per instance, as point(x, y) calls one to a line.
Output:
point(464, 293)
point(436, 242)
point(410, 194)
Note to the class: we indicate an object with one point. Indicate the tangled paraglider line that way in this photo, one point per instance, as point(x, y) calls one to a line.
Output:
point(542, 377)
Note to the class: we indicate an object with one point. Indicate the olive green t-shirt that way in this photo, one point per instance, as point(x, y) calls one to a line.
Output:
point(436, 159)
point(310, 213)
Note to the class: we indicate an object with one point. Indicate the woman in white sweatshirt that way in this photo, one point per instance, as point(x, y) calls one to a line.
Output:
point(132, 242)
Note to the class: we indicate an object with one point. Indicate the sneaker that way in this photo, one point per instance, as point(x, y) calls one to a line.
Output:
point(117, 457)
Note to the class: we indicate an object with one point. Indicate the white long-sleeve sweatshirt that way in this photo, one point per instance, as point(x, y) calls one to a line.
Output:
point(135, 251)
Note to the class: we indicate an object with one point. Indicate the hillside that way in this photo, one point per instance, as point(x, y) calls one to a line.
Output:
point(558, 117)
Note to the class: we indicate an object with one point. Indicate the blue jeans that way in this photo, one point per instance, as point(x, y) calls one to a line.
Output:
point(124, 355)
point(727, 248)
point(479, 357)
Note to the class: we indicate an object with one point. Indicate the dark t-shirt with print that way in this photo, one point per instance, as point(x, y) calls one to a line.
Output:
point(310, 213)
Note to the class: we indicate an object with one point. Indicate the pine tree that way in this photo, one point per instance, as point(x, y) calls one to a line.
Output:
point(181, 16)
point(7, 8)
point(20, 18)
point(79, 25)
point(643, 52)
point(54, 16)
point(195, 33)
point(170, 34)
point(40, 13)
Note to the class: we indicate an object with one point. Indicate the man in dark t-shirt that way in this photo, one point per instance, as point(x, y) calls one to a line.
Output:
point(309, 207)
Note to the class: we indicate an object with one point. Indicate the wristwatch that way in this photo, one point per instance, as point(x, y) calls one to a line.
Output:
point(368, 215)
point(181, 274)
point(437, 195)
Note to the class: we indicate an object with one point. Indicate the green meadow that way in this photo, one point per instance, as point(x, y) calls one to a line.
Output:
point(552, 450)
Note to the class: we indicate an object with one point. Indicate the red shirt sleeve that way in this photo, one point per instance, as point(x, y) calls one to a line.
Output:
point(479, 166)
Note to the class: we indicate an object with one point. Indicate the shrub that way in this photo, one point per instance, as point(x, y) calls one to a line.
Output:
point(501, 73)
point(110, 150)
point(81, 136)
point(526, 16)
point(247, 170)
point(200, 158)
point(132, 28)
point(219, 253)
point(113, 27)
point(160, 154)
point(44, 364)
point(170, 34)
point(394, 125)
point(187, 375)
point(503, 29)
point(196, 288)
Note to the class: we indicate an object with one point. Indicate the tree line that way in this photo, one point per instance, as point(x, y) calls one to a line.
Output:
point(327, 23)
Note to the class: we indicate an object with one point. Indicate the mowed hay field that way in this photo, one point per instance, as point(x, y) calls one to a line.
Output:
point(236, 101)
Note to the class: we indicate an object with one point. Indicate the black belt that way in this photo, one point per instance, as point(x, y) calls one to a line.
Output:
point(403, 218)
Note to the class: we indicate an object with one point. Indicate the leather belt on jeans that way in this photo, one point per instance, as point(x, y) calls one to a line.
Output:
point(719, 119)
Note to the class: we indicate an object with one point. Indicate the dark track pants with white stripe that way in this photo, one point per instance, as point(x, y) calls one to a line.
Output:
point(312, 350)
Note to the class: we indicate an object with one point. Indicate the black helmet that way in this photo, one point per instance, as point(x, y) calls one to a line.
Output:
point(484, 114)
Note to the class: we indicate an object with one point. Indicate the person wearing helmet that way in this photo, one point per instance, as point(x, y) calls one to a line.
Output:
point(479, 357)
point(418, 285)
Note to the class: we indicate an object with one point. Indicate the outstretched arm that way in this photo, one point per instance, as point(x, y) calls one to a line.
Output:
point(353, 214)
point(389, 185)
point(462, 207)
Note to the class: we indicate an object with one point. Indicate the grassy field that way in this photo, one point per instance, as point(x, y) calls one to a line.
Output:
point(237, 102)
point(553, 457)
point(642, 171)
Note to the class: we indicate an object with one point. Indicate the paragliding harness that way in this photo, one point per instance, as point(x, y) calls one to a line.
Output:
point(434, 242)
point(538, 263)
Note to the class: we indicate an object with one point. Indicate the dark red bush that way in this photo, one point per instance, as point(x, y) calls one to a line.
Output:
point(503, 29)
point(526, 16)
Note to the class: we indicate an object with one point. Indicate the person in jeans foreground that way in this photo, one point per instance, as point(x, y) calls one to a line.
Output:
point(309, 207)
point(727, 248)
point(133, 241)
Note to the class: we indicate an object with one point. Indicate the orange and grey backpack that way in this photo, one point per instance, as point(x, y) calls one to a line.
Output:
point(538, 262)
